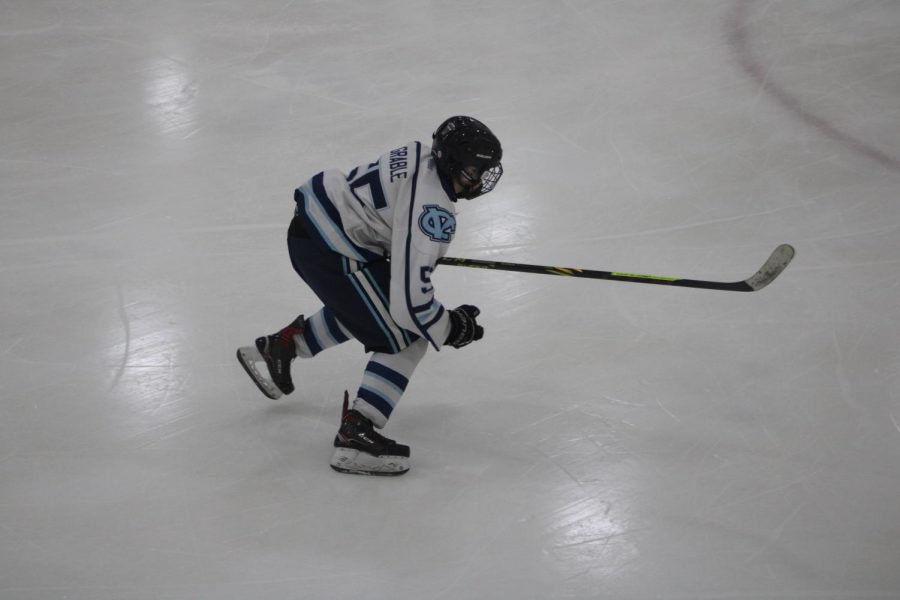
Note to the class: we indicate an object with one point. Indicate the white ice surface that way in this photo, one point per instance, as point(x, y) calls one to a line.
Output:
point(605, 440)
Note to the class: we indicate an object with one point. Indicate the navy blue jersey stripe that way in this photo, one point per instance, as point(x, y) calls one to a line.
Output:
point(407, 279)
point(391, 375)
point(436, 318)
point(318, 188)
point(311, 228)
point(423, 307)
point(429, 313)
point(313, 232)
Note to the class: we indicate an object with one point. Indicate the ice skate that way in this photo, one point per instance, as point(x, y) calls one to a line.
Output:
point(361, 450)
point(276, 351)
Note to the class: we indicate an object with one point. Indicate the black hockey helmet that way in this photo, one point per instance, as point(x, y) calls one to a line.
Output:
point(465, 149)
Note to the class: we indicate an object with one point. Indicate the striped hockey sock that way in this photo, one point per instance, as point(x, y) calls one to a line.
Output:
point(322, 331)
point(384, 381)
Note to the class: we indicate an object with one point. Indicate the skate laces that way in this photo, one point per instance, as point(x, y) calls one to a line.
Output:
point(286, 335)
point(284, 340)
point(354, 423)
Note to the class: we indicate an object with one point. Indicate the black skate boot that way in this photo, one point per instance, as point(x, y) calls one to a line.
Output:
point(277, 351)
point(361, 450)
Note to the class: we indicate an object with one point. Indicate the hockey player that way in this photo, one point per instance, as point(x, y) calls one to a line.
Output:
point(367, 243)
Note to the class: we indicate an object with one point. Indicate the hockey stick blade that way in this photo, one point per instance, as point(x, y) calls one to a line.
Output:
point(773, 267)
point(777, 262)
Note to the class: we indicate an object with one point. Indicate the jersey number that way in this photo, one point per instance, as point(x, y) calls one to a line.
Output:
point(371, 179)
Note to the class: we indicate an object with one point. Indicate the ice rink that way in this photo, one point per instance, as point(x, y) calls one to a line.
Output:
point(605, 440)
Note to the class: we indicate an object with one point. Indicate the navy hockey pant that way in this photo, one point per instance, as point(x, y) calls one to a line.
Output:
point(355, 292)
point(355, 295)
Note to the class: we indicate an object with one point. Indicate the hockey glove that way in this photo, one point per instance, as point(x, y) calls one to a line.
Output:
point(463, 328)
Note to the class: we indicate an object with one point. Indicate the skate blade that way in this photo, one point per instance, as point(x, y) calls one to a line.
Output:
point(347, 460)
point(249, 357)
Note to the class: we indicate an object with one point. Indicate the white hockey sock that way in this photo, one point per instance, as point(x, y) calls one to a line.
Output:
point(322, 331)
point(385, 380)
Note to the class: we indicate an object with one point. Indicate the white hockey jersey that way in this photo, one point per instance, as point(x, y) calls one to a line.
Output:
point(395, 207)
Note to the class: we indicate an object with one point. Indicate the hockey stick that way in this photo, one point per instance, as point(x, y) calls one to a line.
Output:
point(773, 267)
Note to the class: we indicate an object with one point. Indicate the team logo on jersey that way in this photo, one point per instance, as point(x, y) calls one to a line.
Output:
point(437, 223)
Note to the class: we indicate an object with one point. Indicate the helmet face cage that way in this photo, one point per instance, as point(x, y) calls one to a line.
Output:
point(487, 180)
point(466, 150)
